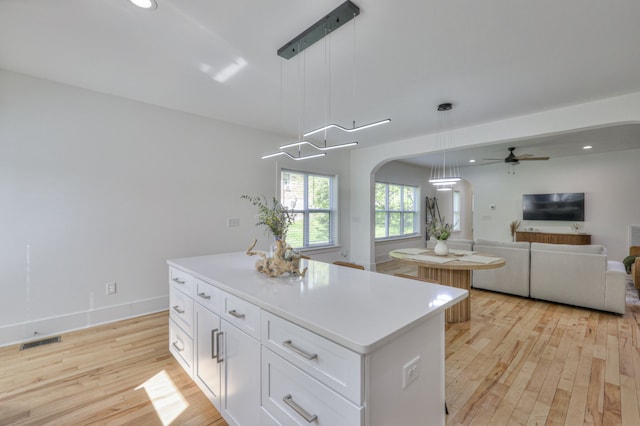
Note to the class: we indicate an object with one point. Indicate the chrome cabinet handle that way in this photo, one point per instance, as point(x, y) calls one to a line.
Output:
point(302, 353)
point(178, 348)
point(179, 281)
point(233, 313)
point(178, 310)
point(213, 346)
point(288, 399)
point(204, 296)
point(219, 355)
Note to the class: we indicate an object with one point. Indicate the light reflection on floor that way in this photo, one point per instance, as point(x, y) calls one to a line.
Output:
point(165, 397)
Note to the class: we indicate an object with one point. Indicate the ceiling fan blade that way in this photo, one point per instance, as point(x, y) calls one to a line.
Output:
point(523, 156)
point(493, 159)
point(533, 158)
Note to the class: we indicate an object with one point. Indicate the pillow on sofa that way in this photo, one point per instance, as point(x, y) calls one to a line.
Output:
point(509, 244)
point(570, 248)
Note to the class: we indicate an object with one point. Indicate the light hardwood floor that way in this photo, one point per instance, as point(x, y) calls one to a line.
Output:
point(115, 374)
point(520, 361)
point(517, 361)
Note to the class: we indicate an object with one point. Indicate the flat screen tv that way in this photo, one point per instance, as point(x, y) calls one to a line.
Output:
point(562, 206)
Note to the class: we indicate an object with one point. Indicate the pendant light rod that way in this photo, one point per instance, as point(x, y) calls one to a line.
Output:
point(331, 22)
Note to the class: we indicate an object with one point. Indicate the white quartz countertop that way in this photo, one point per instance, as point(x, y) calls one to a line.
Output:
point(359, 310)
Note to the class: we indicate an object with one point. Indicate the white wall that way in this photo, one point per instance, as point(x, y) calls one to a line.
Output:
point(96, 189)
point(608, 181)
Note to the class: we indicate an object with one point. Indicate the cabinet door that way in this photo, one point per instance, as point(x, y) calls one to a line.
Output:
point(207, 366)
point(242, 376)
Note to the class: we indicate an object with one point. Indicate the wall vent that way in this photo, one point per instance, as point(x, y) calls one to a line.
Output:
point(40, 342)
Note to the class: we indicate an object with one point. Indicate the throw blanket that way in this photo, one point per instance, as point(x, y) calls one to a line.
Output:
point(628, 261)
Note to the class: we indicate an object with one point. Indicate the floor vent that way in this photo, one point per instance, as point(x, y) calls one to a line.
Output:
point(40, 342)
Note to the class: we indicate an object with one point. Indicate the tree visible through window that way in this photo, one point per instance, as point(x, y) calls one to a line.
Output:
point(396, 210)
point(311, 197)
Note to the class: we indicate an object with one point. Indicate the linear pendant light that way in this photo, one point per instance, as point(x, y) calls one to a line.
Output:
point(354, 129)
point(304, 157)
point(318, 147)
point(332, 21)
point(439, 177)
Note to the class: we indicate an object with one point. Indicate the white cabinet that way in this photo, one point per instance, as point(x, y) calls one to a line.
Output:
point(291, 396)
point(226, 362)
point(208, 371)
point(181, 318)
point(332, 349)
point(241, 366)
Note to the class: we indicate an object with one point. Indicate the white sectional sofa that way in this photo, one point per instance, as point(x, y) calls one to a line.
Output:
point(577, 275)
point(513, 278)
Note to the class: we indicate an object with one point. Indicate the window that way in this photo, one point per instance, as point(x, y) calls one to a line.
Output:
point(396, 210)
point(456, 211)
point(312, 198)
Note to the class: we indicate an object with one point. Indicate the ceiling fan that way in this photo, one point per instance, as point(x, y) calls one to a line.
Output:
point(513, 159)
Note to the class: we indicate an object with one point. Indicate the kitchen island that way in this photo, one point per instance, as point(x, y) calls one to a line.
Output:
point(340, 346)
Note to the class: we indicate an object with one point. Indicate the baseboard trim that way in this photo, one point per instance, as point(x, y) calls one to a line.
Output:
point(43, 327)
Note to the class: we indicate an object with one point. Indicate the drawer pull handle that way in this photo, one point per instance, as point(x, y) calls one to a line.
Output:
point(214, 355)
point(233, 313)
point(178, 348)
point(219, 354)
point(302, 353)
point(204, 296)
point(298, 409)
point(178, 309)
point(179, 281)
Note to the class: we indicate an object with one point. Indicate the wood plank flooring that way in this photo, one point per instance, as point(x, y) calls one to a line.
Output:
point(526, 362)
point(115, 374)
point(518, 361)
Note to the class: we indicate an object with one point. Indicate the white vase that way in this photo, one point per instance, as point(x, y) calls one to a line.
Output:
point(441, 248)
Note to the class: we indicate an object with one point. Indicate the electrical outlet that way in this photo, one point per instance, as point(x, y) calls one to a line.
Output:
point(233, 222)
point(112, 288)
point(410, 371)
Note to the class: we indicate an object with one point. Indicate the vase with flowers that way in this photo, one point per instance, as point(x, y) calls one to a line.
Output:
point(277, 219)
point(441, 231)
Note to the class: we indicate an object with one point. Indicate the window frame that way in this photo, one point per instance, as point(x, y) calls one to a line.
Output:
point(307, 212)
point(456, 214)
point(402, 212)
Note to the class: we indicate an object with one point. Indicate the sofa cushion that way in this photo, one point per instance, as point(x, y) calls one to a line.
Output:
point(506, 244)
point(570, 248)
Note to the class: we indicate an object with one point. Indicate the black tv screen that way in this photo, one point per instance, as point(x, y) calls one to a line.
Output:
point(563, 206)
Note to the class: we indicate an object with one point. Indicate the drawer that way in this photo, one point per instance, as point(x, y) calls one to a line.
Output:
point(181, 310)
point(335, 366)
point(181, 346)
point(208, 296)
point(242, 314)
point(181, 281)
point(291, 396)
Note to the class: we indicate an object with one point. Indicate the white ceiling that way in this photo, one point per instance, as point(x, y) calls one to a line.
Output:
point(491, 59)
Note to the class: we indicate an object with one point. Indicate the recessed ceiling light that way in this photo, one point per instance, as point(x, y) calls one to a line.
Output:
point(587, 147)
point(145, 4)
point(472, 161)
